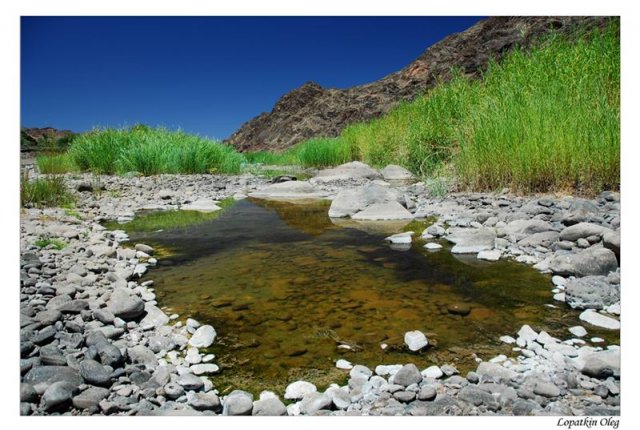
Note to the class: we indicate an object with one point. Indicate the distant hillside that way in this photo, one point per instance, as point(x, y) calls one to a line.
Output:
point(313, 111)
point(45, 138)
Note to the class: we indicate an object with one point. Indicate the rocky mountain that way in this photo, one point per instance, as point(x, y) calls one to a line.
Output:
point(45, 138)
point(314, 111)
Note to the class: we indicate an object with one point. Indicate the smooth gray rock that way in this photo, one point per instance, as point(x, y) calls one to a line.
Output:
point(203, 337)
point(314, 402)
point(407, 375)
point(47, 375)
point(471, 240)
point(594, 318)
point(238, 403)
point(57, 395)
point(290, 190)
point(546, 389)
point(602, 364)
point(204, 401)
point(109, 354)
point(592, 261)
point(546, 239)
point(582, 230)
point(427, 393)
point(154, 316)
point(388, 211)
point(28, 393)
point(173, 390)
point(48, 317)
point(351, 201)
point(477, 397)
point(297, 390)
point(591, 292)
point(271, 407)
point(125, 305)
point(393, 172)
point(90, 398)
point(415, 340)
point(95, 373)
point(190, 382)
point(352, 170)
point(142, 355)
point(495, 371)
point(521, 228)
point(611, 240)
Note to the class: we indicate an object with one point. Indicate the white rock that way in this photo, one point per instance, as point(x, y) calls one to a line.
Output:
point(594, 318)
point(433, 246)
point(560, 297)
point(203, 337)
point(499, 359)
point(432, 372)
point(559, 281)
point(400, 238)
point(415, 340)
point(383, 211)
point(201, 369)
point(507, 339)
point(578, 331)
point(597, 340)
point(614, 309)
point(527, 334)
point(297, 390)
point(490, 255)
point(343, 364)
point(193, 356)
point(201, 205)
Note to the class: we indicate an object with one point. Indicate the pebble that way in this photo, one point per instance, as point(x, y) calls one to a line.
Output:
point(343, 364)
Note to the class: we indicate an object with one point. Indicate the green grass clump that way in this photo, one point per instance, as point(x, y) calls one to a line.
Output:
point(547, 119)
point(57, 243)
point(152, 151)
point(540, 120)
point(44, 192)
point(54, 164)
point(322, 152)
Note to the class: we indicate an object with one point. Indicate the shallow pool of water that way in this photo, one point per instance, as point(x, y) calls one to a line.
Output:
point(289, 293)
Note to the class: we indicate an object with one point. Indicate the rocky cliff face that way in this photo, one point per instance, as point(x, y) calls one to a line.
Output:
point(46, 138)
point(313, 111)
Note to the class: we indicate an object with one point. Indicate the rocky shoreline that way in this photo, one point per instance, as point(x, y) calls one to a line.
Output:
point(94, 341)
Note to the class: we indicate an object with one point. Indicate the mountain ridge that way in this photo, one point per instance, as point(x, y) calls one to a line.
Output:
point(314, 111)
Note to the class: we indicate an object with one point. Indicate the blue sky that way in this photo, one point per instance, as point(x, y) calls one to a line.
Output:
point(205, 75)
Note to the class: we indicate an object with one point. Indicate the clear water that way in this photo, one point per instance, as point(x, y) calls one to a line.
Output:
point(289, 293)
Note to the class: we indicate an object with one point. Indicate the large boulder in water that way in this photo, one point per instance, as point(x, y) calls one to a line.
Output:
point(290, 190)
point(351, 201)
point(352, 170)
